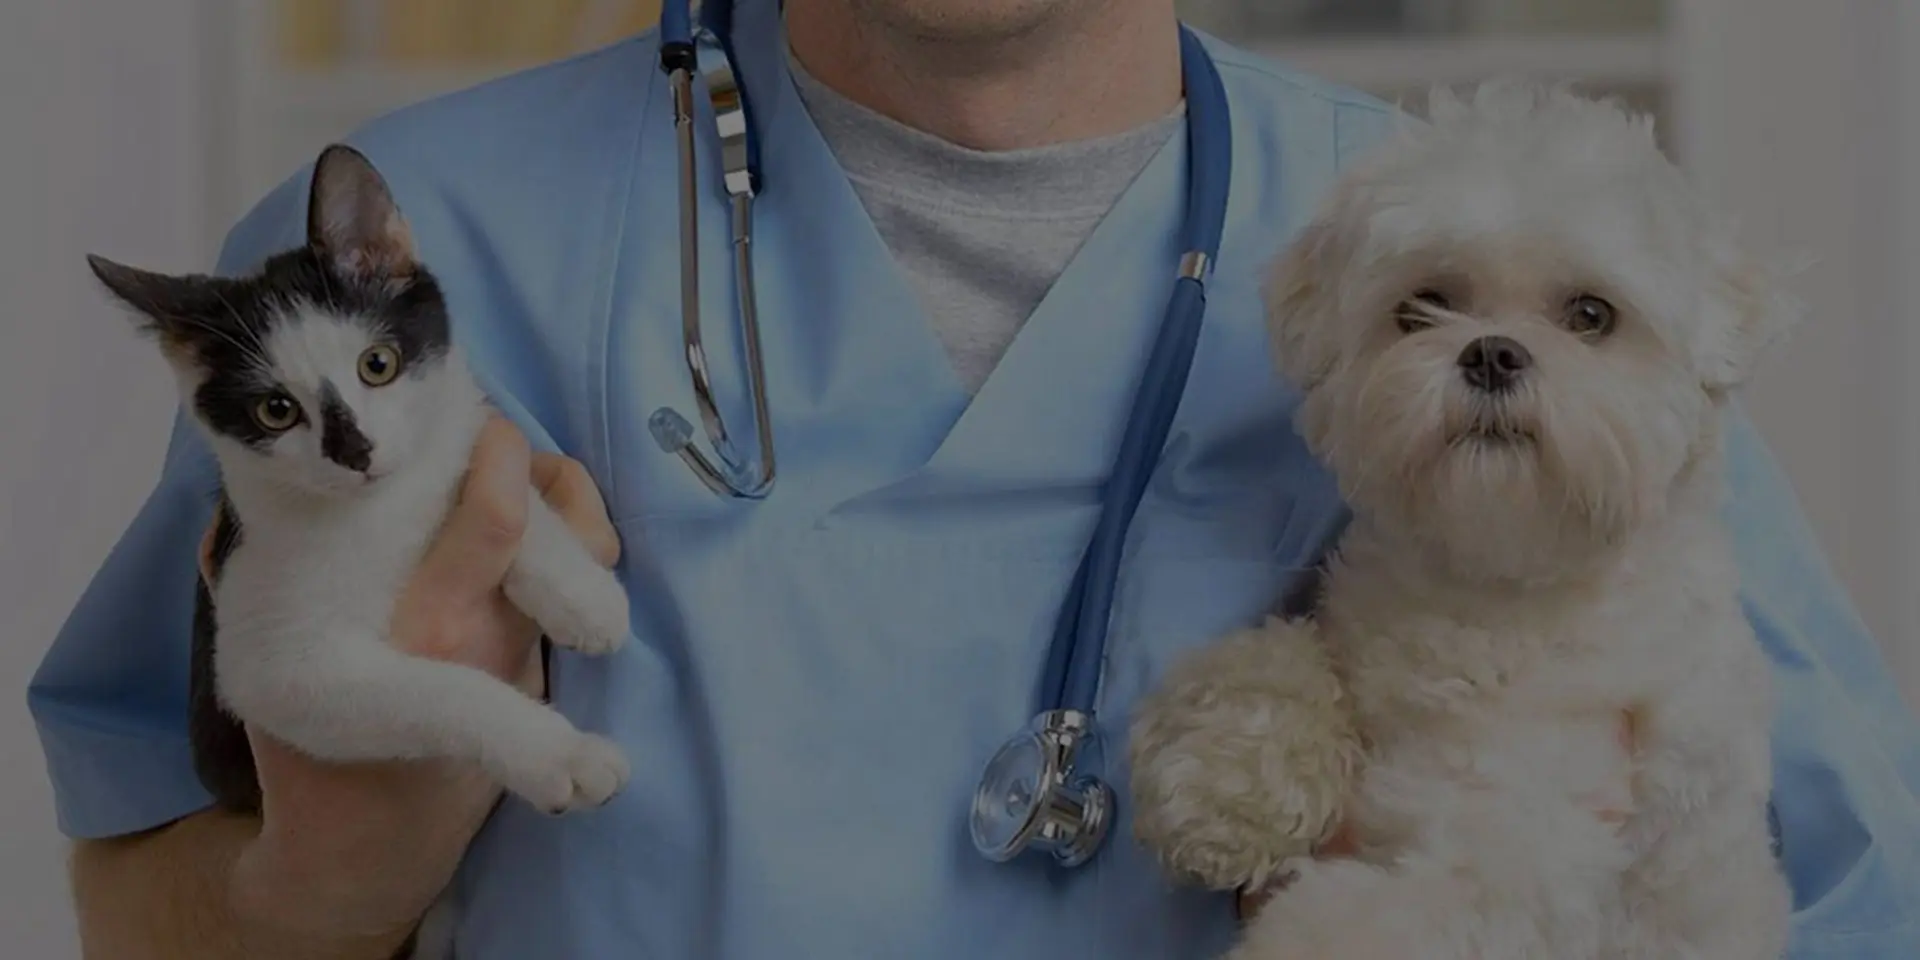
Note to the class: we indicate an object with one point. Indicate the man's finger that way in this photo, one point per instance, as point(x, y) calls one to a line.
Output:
point(481, 535)
point(206, 550)
point(1341, 843)
point(1247, 903)
point(1627, 731)
point(567, 487)
point(532, 680)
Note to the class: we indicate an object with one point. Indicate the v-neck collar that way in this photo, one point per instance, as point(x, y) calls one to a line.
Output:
point(858, 379)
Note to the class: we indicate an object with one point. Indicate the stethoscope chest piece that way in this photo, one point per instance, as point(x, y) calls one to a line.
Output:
point(1031, 796)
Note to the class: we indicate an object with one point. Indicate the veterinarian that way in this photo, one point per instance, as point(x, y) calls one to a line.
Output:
point(968, 224)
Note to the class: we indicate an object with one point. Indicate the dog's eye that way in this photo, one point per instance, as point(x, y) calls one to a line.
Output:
point(1590, 316)
point(1415, 312)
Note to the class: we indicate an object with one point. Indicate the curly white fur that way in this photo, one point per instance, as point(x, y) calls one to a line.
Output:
point(1529, 694)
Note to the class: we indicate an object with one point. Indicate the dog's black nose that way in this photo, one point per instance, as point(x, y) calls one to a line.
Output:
point(1494, 364)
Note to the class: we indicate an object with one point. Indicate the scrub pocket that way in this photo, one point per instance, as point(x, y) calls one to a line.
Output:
point(1862, 917)
point(1848, 839)
point(1850, 901)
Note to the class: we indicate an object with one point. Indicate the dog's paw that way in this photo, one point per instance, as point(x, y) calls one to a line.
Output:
point(586, 612)
point(1243, 758)
point(582, 772)
point(1227, 812)
point(1220, 855)
point(1226, 830)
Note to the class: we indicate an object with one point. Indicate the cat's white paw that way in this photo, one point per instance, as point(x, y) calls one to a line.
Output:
point(582, 607)
point(583, 773)
point(592, 616)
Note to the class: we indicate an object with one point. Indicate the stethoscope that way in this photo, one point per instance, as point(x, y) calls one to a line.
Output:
point(1041, 791)
point(687, 47)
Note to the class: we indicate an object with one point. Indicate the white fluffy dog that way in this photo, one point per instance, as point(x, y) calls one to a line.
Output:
point(1529, 698)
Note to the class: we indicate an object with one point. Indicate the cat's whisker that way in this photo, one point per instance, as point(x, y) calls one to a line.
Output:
point(258, 353)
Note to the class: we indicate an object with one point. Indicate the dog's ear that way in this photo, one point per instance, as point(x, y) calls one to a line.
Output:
point(1750, 309)
point(1301, 297)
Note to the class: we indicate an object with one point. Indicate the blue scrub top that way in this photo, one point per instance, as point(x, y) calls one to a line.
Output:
point(814, 681)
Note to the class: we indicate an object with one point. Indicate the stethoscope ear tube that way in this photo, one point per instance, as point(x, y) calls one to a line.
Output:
point(686, 49)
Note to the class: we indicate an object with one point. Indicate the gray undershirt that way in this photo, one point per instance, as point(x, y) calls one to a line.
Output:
point(980, 236)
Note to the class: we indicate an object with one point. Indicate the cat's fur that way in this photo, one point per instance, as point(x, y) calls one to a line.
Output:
point(330, 497)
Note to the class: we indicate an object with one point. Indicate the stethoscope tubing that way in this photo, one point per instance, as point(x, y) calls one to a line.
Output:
point(1079, 645)
point(1074, 814)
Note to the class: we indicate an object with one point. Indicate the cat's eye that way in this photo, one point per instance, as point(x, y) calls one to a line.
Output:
point(276, 413)
point(1416, 312)
point(379, 364)
point(1589, 316)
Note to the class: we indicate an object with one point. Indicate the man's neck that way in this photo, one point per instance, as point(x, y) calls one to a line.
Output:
point(1082, 71)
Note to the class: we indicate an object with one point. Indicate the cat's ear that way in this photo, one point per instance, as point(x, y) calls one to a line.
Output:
point(352, 219)
point(164, 303)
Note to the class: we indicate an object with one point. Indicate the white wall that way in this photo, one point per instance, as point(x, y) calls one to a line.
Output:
point(1796, 114)
point(100, 151)
point(1898, 283)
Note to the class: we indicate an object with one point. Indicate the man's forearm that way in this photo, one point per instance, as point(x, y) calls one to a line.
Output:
point(168, 895)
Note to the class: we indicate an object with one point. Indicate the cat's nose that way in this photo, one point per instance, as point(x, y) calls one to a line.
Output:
point(342, 442)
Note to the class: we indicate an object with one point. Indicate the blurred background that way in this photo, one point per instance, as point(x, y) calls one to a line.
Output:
point(142, 128)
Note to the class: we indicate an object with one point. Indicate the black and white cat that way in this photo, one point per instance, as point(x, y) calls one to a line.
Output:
point(343, 416)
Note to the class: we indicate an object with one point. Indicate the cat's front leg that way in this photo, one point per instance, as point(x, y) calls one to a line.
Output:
point(1243, 757)
point(578, 603)
point(352, 699)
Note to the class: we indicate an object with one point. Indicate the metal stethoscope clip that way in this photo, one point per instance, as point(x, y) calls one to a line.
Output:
point(703, 52)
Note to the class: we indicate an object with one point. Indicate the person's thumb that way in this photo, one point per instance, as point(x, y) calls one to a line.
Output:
point(481, 535)
point(207, 541)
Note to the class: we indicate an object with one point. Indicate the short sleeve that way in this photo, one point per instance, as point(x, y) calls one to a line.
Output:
point(109, 700)
point(1846, 748)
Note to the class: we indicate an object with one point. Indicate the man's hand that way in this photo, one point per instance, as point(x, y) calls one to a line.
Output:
point(361, 851)
point(1247, 903)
